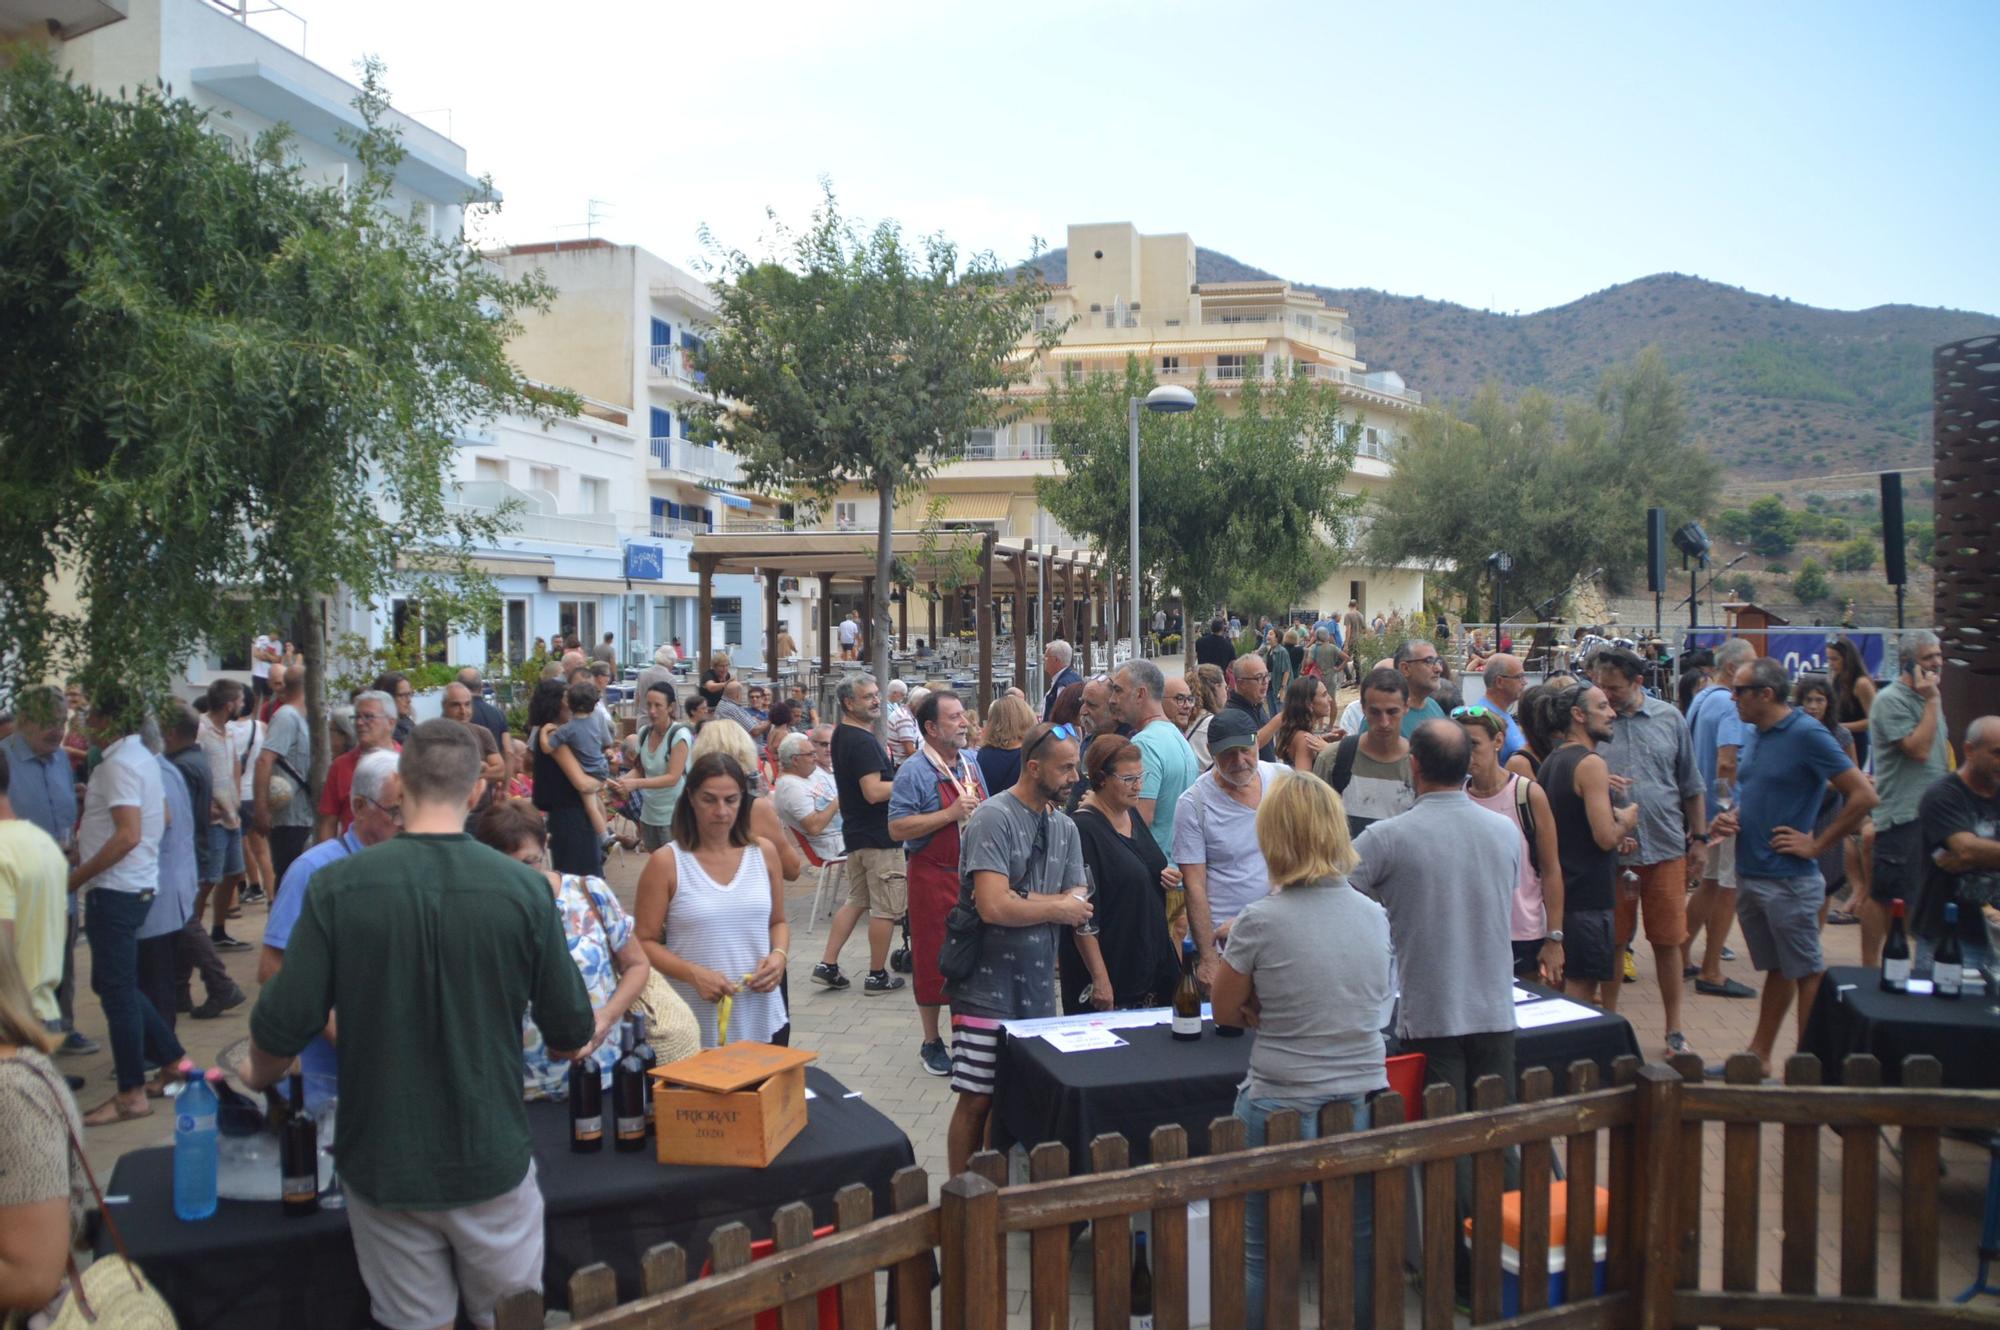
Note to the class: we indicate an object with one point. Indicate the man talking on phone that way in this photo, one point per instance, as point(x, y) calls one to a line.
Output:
point(1906, 730)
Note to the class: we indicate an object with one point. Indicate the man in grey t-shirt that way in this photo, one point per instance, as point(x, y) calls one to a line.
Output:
point(1019, 861)
point(1215, 834)
point(287, 751)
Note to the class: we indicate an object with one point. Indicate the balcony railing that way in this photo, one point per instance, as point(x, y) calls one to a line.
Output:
point(675, 364)
point(1007, 450)
point(1230, 374)
point(696, 459)
point(674, 528)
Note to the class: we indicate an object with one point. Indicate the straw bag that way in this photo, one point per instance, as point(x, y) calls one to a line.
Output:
point(671, 1028)
point(112, 1294)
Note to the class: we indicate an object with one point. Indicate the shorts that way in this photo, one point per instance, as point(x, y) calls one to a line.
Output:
point(1779, 917)
point(417, 1263)
point(1662, 900)
point(653, 838)
point(878, 880)
point(1528, 956)
point(223, 855)
point(975, 1051)
point(1899, 856)
point(1590, 947)
point(1721, 866)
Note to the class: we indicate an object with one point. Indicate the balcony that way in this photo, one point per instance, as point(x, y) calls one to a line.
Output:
point(697, 460)
point(674, 528)
point(1229, 375)
point(994, 449)
point(674, 365)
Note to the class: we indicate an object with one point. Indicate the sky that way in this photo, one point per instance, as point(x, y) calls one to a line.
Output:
point(1506, 157)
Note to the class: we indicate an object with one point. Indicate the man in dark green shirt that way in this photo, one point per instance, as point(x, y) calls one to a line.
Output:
point(432, 947)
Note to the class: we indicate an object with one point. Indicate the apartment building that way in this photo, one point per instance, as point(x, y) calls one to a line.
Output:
point(1127, 295)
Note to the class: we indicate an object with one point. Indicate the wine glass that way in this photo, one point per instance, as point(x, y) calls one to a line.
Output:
point(1725, 794)
point(333, 1198)
point(1088, 892)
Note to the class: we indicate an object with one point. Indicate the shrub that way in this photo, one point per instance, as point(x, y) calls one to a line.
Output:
point(1810, 586)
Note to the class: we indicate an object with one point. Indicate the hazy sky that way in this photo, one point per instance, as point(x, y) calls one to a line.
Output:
point(1503, 156)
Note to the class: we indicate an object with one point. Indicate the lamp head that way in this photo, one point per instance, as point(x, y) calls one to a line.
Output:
point(1500, 562)
point(1692, 541)
point(1169, 399)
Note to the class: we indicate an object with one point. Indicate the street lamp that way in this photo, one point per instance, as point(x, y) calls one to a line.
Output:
point(1502, 563)
point(1167, 399)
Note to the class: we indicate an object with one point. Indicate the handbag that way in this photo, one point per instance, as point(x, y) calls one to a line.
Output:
point(958, 956)
point(113, 1293)
point(670, 1024)
point(285, 783)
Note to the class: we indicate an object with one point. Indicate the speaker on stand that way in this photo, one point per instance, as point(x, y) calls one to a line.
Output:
point(1892, 537)
point(1656, 566)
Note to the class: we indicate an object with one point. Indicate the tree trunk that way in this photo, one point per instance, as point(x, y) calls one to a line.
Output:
point(885, 558)
point(312, 645)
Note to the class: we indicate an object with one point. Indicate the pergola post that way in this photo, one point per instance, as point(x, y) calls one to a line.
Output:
point(1069, 609)
point(1045, 582)
point(985, 624)
point(771, 629)
point(868, 625)
point(903, 619)
point(1021, 617)
point(1080, 616)
point(704, 565)
point(825, 624)
point(931, 600)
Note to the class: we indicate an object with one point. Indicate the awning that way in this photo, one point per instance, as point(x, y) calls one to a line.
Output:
point(728, 499)
point(971, 508)
point(491, 564)
point(1166, 347)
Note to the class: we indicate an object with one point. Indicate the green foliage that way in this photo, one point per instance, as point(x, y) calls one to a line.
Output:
point(1811, 525)
point(1777, 569)
point(840, 358)
point(1743, 588)
point(1240, 507)
point(1810, 586)
point(227, 390)
point(1733, 524)
point(1775, 369)
point(1922, 538)
point(1773, 528)
point(1856, 556)
point(1563, 487)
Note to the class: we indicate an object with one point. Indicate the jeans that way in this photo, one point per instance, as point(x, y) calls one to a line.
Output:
point(194, 951)
point(287, 844)
point(111, 920)
point(66, 990)
point(1459, 1061)
point(156, 975)
point(1256, 1114)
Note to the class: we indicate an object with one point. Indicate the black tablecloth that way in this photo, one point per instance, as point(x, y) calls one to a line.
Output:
point(249, 1266)
point(1853, 1015)
point(1046, 1095)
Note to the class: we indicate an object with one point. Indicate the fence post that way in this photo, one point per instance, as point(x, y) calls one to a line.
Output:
point(1111, 1243)
point(1860, 1182)
point(969, 1233)
point(1920, 1179)
point(1798, 1258)
point(1169, 1145)
point(1048, 1248)
point(1742, 1171)
point(519, 1310)
point(1657, 1142)
point(1226, 1294)
point(1689, 1067)
point(910, 1283)
point(854, 1206)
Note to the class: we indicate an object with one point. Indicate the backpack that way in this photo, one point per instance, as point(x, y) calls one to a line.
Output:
point(1343, 763)
point(1524, 809)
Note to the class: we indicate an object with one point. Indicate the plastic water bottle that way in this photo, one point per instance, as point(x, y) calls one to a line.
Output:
point(196, 1141)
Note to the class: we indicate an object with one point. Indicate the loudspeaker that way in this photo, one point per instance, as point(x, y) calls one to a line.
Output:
point(1656, 549)
point(1892, 527)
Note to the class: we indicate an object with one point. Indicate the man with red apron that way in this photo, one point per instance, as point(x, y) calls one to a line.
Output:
point(935, 791)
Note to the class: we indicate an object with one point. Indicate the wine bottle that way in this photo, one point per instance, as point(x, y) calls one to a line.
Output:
point(628, 1101)
point(1187, 997)
point(298, 1156)
point(648, 1060)
point(1142, 1285)
point(1896, 953)
point(586, 1107)
point(1948, 974)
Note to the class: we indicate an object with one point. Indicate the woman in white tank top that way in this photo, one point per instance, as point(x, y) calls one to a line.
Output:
point(711, 910)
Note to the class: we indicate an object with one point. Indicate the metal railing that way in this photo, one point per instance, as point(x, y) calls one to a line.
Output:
point(674, 364)
point(1310, 369)
point(674, 528)
point(996, 450)
point(696, 459)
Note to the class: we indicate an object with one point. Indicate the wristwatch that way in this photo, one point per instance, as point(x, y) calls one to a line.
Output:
point(1701, 836)
point(1555, 935)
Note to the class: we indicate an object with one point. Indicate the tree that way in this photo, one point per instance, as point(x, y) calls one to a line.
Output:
point(1238, 507)
point(1773, 528)
point(849, 359)
point(1810, 586)
point(1733, 524)
point(228, 391)
point(1561, 486)
point(1856, 556)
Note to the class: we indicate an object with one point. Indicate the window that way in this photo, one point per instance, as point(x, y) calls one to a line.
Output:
point(574, 617)
point(595, 494)
point(844, 515)
point(1229, 367)
point(729, 609)
point(1170, 364)
point(663, 333)
point(692, 346)
point(507, 632)
point(1038, 441)
point(490, 469)
point(429, 634)
point(545, 478)
point(979, 444)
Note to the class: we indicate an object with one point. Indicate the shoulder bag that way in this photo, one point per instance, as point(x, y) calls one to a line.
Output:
point(670, 1024)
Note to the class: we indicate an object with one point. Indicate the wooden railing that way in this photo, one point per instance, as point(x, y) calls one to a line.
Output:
point(1653, 1118)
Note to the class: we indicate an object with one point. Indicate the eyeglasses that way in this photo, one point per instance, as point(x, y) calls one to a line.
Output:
point(1742, 688)
point(394, 812)
point(1435, 662)
point(1135, 780)
point(1064, 732)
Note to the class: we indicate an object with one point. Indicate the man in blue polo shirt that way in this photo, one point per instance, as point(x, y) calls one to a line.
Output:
point(376, 800)
point(1782, 774)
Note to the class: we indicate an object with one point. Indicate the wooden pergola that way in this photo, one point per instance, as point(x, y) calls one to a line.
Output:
point(1091, 592)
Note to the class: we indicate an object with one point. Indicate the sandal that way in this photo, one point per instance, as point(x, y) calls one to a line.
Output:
point(1841, 917)
point(157, 1087)
point(117, 1112)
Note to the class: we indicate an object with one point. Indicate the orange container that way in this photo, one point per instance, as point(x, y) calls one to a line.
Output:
point(828, 1301)
point(1406, 1078)
point(1510, 1216)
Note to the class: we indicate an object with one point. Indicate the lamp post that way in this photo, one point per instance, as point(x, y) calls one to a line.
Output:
point(1167, 399)
point(1502, 563)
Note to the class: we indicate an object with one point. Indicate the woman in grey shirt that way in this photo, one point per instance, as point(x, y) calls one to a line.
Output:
point(1308, 967)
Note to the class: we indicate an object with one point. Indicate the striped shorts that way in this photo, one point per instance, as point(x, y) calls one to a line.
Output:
point(975, 1052)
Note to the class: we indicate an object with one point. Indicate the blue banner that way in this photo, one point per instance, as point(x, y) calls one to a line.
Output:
point(645, 562)
point(1803, 650)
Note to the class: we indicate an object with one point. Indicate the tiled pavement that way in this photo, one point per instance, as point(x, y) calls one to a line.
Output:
point(871, 1043)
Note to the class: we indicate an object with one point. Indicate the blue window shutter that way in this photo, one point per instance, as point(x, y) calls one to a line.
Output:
point(673, 510)
point(708, 518)
point(663, 333)
point(663, 423)
point(660, 508)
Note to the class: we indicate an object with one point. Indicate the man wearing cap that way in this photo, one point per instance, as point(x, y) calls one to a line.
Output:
point(1215, 834)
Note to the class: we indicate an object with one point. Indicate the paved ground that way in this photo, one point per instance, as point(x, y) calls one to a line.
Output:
point(871, 1043)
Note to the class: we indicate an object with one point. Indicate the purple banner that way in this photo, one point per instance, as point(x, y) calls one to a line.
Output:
point(1803, 651)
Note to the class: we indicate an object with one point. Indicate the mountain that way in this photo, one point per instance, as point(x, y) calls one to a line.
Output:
point(1774, 388)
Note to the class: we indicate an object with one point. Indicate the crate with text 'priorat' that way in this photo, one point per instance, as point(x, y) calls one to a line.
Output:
point(739, 1104)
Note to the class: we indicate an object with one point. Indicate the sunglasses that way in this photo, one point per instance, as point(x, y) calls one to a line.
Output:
point(1476, 711)
point(1065, 732)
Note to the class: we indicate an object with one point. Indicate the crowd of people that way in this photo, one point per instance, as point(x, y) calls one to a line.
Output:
point(1389, 872)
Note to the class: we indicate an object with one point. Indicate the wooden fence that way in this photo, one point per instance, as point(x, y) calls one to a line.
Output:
point(1652, 1119)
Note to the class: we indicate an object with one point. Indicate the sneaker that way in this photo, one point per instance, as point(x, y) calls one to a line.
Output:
point(936, 1061)
point(1728, 955)
point(1728, 988)
point(1631, 969)
point(1677, 1044)
point(253, 896)
point(79, 1045)
point(829, 976)
point(1842, 917)
point(879, 982)
point(217, 1004)
point(224, 942)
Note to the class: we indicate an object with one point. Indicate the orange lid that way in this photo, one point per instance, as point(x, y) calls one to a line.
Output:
point(1510, 1215)
point(733, 1066)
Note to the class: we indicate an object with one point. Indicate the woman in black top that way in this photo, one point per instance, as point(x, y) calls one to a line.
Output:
point(1131, 877)
point(561, 787)
point(1589, 831)
point(718, 678)
point(1853, 694)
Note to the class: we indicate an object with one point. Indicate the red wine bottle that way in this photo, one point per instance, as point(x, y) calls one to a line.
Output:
point(298, 1156)
point(1948, 974)
point(628, 1097)
point(1896, 953)
point(586, 1107)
